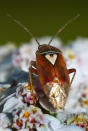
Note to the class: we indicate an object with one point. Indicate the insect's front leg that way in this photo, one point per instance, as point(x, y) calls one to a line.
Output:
point(32, 69)
point(73, 70)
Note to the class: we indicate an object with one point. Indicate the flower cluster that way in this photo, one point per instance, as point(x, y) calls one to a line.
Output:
point(83, 99)
point(26, 95)
point(80, 120)
point(28, 117)
point(24, 111)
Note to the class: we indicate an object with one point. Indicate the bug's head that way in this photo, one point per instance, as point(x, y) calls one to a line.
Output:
point(48, 49)
point(49, 52)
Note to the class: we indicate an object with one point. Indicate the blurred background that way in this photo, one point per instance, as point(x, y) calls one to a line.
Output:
point(43, 17)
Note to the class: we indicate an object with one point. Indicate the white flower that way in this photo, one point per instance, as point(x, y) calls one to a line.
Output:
point(23, 130)
point(24, 56)
point(4, 120)
point(11, 104)
point(5, 129)
point(52, 122)
point(71, 128)
point(80, 47)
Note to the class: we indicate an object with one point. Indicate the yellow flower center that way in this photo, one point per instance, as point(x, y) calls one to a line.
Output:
point(71, 54)
point(86, 102)
point(26, 115)
point(28, 87)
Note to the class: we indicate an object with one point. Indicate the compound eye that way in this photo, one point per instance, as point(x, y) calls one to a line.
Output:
point(51, 58)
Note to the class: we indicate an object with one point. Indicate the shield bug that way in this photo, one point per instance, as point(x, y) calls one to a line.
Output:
point(50, 67)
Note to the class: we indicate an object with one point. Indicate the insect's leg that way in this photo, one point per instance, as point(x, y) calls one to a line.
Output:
point(33, 67)
point(73, 70)
point(31, 71)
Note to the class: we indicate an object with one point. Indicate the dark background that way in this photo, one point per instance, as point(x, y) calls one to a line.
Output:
point(43, 17)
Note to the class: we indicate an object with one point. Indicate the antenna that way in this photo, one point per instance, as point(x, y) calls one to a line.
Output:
point(63, 27)
point(23, 26)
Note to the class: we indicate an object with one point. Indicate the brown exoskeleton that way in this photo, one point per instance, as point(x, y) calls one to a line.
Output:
point(52, 72)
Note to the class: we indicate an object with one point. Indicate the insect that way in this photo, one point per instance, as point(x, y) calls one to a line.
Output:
point(51, 69)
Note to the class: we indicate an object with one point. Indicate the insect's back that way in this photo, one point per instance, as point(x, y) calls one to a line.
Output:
point(53, 74)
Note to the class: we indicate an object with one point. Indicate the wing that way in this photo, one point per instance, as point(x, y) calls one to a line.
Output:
point(62, 73)
point(45, 70)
